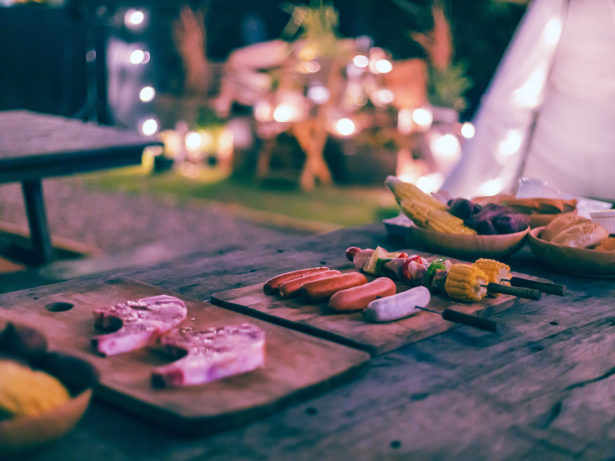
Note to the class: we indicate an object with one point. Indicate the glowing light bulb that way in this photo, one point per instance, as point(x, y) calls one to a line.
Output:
point(446, 146)
point(404, 121)
point(467, 130)
point(422, 117)
point(149, 127)
point(283, 113)
point(345, 127)
point(138, 57)
point(360, 61)
point(193, 141)
point(147, 94)
point(383, 66)
point(318, 94)
point(134, 19)
point(263, 111)
point(309, 67)
point(383, 96)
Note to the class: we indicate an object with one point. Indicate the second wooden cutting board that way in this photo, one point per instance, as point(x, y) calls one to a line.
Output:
point(350, 328)
point(297, 365)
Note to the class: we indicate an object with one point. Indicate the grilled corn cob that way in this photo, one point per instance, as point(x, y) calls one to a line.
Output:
point(496, 271)
point(466, 282)
point(407, 191)
point(426, 216)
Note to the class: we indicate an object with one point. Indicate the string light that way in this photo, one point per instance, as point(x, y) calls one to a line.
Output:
point(138, 57)
point(147, 94)
point(134, 19)
point(149, 127)
point(360, 61)
point(467, 130)
point(422, 117)
point(345, 127)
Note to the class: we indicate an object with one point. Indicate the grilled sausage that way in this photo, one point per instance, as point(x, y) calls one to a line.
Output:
point(273, 284)
point(355, 298)
point(321, 290)
point(292, 287)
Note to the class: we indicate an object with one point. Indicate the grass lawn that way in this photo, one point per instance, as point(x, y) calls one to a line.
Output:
point(332, 207)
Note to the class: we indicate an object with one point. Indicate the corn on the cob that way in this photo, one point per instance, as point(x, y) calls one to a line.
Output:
point(439, 220)
point(466, 282)
point(407, 191)
point(496, 271)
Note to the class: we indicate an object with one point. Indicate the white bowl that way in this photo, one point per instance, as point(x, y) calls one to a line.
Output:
point(605, 218)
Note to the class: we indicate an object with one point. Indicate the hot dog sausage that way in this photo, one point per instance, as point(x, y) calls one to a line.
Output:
point(397, 307)
point(292, 287)
point(273, 284)
point(352, 299)
point(321, 290)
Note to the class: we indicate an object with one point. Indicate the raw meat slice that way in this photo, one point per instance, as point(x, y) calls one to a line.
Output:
point(210, 354)
point(142, 321)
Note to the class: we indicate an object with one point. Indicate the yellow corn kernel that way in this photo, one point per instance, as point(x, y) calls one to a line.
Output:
point(496, 271)
point(407, 191)
point(466, 282)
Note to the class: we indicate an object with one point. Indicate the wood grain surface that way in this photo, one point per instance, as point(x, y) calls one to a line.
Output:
point(350, 328)
point(296, 364)
point(542, 388)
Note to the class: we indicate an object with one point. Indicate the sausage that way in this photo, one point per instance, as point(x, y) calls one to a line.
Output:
point(398, 306)
point(273, 284)
point(321, 290)
point(292, 287)
point(355, 298)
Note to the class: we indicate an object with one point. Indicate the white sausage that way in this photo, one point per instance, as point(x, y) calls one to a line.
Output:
point(397, 306)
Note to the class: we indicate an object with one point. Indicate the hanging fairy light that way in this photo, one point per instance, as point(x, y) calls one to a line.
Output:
point(149, 127)
point(147, 94)
point(134, 19)
point(383, 66)
point(422, 117)
point(361, 61)
point(193, 141)
point(345, 127)
point(318, 94)
point(467, 130)
point(138, 56)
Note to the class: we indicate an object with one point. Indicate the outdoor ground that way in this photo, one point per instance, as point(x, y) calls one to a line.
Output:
point(127, 217)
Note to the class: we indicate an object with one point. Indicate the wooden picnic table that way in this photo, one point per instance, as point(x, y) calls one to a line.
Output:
point(543, 387)
point(36, 146)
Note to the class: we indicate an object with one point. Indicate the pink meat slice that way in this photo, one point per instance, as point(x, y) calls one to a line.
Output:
point(210, 354)
point(142, 321)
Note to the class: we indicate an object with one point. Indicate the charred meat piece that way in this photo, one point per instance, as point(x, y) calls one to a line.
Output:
point(210, 354)
point(461, 207)
point(142, 321)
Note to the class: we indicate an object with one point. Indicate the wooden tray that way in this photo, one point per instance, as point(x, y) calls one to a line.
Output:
point(350, 328)
point(296, 365)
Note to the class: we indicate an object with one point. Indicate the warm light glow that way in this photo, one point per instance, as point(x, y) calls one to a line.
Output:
point(345, 127)
point(193, 141)
point(422, 117)
point(134, 19)
point(263, 112)
point(309, 67)
point(510, 145)
point(383, 66)
point(149, 127)
point(447, 146)
point(284, 113)
point(318, 94)
point(467, 130)
point(404, 121)
point(147, 94)
point(139, 57)
point(492, 187)
point(430, 183)
point(225, 145)
point(383, 96)
point(360, 61)
point(207, 140)
point(552, 31)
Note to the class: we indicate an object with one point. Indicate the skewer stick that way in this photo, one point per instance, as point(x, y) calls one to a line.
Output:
point(466, 319)
point(545, 287)
point(521, 292)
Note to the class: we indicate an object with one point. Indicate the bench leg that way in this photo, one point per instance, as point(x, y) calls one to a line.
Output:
point(37, 220)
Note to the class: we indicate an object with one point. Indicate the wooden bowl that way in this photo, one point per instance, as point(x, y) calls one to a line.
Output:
point(458, 245)
point(24, 434)
point(576, 261)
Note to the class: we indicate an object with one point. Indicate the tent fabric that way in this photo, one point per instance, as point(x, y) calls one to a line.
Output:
point(549, 112)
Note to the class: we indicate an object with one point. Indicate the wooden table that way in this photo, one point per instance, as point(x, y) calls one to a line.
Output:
point(542, 388)
point(36, 146)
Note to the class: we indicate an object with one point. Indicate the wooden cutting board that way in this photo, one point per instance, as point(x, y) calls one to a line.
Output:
point(297, 365)
point(350, 328)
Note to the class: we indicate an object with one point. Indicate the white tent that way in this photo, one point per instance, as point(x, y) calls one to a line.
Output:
point(549, 112)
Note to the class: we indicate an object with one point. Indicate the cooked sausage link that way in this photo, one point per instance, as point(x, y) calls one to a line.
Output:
point(356, 298)
point(322, 290)
point(292, 287)
point(273, 284)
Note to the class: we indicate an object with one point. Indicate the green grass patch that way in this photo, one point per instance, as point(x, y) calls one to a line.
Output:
point(335, 205)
